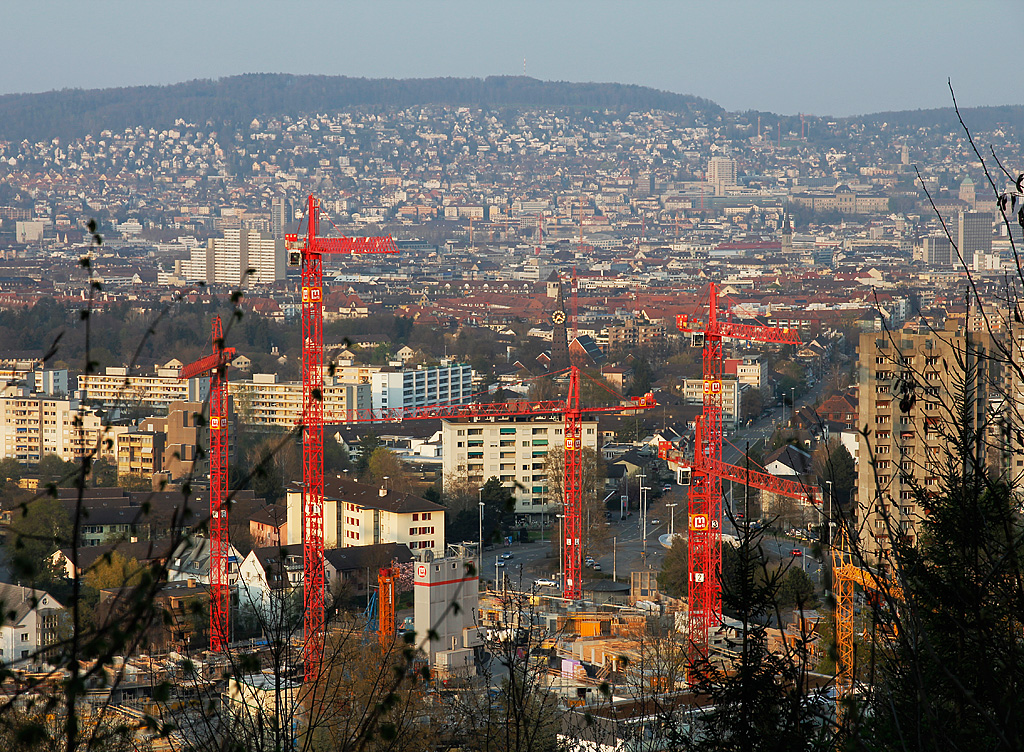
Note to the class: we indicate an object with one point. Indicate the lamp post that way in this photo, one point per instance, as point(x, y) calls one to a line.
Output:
point(672, 521)
point(561, 553)
point(643, 507)
point(829, 511)
point(792, 403)
point(480, 532)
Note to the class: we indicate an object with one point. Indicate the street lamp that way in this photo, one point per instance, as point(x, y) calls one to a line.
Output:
point(561, 552)
point(672, 521)
point(643, 510)
point(792, 403)
point(829, 511)
point(480, 532)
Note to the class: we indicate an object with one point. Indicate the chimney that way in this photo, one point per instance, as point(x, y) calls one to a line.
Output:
point(191, 582)
point(383, 491)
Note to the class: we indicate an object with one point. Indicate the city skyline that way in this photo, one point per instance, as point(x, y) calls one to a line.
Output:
point(785, 57)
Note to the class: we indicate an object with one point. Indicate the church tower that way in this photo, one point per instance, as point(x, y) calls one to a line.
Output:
point(787, 235)
point(559, 336)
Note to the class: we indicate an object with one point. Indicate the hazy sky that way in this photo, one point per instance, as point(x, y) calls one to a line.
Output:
point(788, 56)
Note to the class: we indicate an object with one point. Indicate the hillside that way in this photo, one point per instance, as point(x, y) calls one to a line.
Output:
point(235, 100)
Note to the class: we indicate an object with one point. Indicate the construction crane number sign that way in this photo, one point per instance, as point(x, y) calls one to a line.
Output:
point(713, 386)
point(698, 522)
point(311, 294)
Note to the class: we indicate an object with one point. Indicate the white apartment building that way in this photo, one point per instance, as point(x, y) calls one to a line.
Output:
point(722, 173)
point(357, 514)
point(512, 451)
point(422, 386)
point(267, 258)
point(749, 369)
point(265, 401)
point(51, 381)
point(225, 260)
point(116, 387)
point(732, 397)
point(35, 425)
point(32, 623)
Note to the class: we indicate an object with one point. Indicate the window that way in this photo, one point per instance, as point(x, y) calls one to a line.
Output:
point(881, 434)
point(426, 515)
point(882, 418)
point(884, 449)
point(882, 464)
point(24, 636)
point(415, 517)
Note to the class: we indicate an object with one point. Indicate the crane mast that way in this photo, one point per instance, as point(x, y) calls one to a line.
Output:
point(705, 512)
point(216, 365)
point(309, 256)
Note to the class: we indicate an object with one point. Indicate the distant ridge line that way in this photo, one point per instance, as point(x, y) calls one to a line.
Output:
point(236, 100)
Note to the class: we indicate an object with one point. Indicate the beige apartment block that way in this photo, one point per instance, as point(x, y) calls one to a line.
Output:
point(116, 387)
point(36, 425)
point(263, 400)
point(910, 381)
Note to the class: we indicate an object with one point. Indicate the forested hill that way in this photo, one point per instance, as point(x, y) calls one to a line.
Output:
point(945, 118)
point(238, 99)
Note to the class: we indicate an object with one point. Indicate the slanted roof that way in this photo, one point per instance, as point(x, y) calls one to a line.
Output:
point(17, 602)
point(352, 558)
point(370, 497)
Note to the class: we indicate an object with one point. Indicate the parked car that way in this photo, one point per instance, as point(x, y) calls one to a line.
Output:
point(507, 555)
point(597, 567)
point(545, 582)
point(655, 521)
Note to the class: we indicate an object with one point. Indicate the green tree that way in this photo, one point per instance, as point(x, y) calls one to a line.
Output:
point(39, 527)
point(385, 463)
point(114, 571)
point(11, 471)
point(955, 677)
point(831, 461)
point(104, 473)
point(367, 444)
point(52, 469)
point(796, 589)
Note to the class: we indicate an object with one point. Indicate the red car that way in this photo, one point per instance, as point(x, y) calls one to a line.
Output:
point(796, 552)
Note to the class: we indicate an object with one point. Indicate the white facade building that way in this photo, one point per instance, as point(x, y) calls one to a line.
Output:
point(732, 399)
point(422, 386)
point(31, 623)
point(357, 514)
point(225, 260)
point(514, 452)
point(438, 585)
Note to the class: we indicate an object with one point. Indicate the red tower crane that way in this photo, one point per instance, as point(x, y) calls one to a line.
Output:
point(705, 514)
point(572, 412)
point(216, 365)
point(308, 254)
